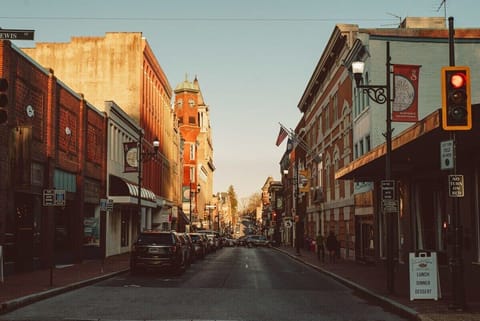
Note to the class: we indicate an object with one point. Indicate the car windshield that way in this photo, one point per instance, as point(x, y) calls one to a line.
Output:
point(159, 238)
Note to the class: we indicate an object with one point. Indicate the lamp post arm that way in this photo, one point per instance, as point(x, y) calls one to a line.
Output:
point(376, 93)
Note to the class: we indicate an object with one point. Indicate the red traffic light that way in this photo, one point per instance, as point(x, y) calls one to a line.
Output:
point(457, 80)
point(456, 98)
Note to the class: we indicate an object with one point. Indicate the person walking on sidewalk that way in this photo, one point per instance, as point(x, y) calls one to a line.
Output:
point(320, 247)
point(332, 245)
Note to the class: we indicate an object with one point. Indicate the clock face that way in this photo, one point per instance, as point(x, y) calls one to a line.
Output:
point(191, 103)
point(30, 111)
point(131, 157)
point(404, 93)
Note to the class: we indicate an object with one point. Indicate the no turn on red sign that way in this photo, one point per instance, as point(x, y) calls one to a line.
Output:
point(455, 186)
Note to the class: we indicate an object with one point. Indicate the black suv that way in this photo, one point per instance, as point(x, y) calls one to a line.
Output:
point(157, 250)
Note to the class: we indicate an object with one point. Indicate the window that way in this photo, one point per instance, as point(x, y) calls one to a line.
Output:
point(192, 151)
point(368, 145)
point(327, 117)
point(192, 120)
point(334, 107)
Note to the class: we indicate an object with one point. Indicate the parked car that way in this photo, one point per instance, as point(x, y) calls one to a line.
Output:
point(158, 250)
point(187, 248)
point(213, 239)
point(258, 240)
point(229, 241)
point(199, 244)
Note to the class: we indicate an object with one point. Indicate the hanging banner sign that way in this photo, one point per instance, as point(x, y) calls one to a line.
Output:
point(130, 152)
point(405, 103)
point(304, 181)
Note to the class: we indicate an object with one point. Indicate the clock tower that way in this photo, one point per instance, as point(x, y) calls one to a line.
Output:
point(186, 110)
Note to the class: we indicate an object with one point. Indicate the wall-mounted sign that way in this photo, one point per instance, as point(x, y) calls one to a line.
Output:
point(54, 197)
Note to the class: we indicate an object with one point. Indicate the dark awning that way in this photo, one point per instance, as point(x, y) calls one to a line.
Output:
point(417, 148)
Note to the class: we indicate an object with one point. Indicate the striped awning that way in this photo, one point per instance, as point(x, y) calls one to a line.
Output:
point(123, 191)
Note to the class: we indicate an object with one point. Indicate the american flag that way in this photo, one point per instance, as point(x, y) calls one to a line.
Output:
point(281, 136)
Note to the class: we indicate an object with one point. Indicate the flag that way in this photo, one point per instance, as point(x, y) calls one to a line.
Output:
point(289, 145)
point(405, 103)
point(281, 136)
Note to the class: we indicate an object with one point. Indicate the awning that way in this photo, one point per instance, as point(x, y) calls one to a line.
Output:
point(405, 150)
point(416, 149)
point(124, 192)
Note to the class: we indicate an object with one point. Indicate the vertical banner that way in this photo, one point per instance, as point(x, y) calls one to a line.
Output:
point(304, 181)
point(405, 103)
point(130, 152)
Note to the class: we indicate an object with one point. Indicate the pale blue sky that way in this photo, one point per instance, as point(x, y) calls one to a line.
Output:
point(253, 58)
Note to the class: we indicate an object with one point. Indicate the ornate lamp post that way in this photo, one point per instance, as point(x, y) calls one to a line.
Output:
point(381, 95)
point(143, 156)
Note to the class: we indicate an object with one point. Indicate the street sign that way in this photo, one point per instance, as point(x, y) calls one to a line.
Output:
point(15, 34)
point(390, 206)
point(455, 186)
point(54, 197)
point(106, 204)
point(103, 204)
point(446, 154)
point(109, 205)
point(388, 189)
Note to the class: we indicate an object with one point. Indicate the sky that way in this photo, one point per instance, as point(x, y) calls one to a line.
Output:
point(253, 58)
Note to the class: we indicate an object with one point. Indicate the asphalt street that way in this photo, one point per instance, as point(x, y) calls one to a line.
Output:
point(257, 284)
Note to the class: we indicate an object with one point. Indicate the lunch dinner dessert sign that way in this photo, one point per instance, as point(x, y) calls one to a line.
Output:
point(424, 277)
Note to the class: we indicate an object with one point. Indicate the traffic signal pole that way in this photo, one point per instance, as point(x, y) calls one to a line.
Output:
point(456, 259)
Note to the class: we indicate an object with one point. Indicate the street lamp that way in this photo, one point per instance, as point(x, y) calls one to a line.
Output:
point(381, 95)
point(143, 156)
point(192, 192)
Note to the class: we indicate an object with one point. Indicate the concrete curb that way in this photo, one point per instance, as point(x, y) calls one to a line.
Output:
point(14, 304)
point(384, 301)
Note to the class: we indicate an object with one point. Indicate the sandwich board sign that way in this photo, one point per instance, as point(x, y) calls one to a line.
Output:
point(424, 277)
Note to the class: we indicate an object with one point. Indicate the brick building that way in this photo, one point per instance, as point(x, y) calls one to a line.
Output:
point(52, 141)
point(121, 67)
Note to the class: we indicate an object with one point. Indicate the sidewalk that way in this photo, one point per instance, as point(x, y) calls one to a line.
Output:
point(24, 288)
point(369, 280)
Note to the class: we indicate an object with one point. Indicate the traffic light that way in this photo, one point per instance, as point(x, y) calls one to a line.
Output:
point(456, 100)
point(3, 100)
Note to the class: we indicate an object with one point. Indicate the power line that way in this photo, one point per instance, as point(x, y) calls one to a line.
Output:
point(209, 19)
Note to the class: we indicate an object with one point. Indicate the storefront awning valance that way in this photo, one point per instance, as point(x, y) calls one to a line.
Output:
point(415, 146)
point(123, 191)
point(416, 149)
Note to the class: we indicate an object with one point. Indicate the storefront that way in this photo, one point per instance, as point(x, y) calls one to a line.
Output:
point(425, 208)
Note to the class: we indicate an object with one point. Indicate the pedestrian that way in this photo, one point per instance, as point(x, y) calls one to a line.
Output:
point(332, 245)
point(320, 247)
